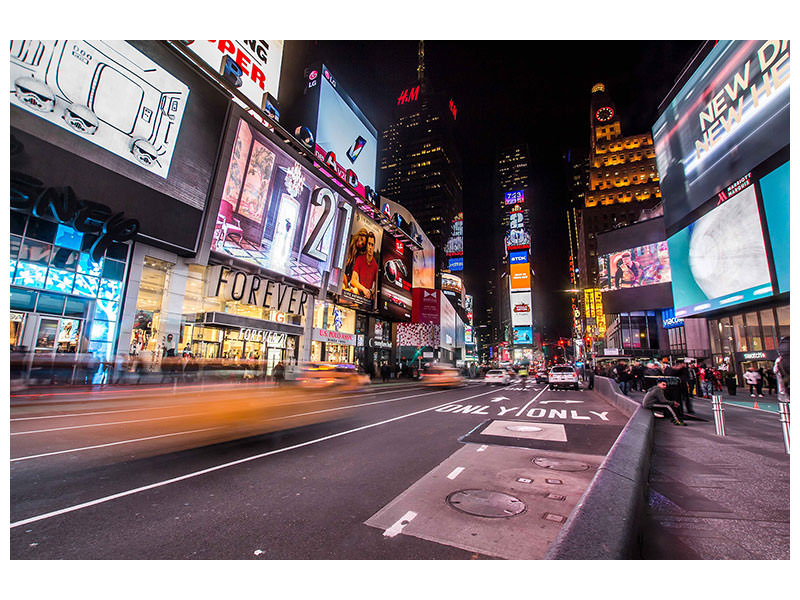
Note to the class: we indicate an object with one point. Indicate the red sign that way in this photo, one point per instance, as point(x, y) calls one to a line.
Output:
point(453, 109)
point(398, 247)
point(409, 95)
point(425, 306)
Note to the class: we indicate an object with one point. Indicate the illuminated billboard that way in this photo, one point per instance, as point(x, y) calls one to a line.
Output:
point(274, 213)
point(455, 264)
point(720, 260)
point(520, 276)
point(521, 311)
point(455, 245)
point(523, 335)
point(362, 261)
point(518, 257)
point(730, 116)
point(252, 66)
point(775, 195)
point(452, 284)
point(514, 197)
point(105, 92)
point(396, 270)
point(634, 267)
point(340, 127)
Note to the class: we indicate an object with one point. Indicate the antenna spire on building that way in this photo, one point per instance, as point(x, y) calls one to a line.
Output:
point(421, 62)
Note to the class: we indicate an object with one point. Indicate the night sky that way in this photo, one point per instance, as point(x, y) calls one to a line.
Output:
point(509, 92)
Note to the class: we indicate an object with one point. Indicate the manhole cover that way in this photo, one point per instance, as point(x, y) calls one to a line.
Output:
point(560, 464)
point(523, 428)
point(486, 503)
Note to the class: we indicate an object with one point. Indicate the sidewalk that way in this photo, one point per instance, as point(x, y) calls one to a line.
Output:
point(713, 497)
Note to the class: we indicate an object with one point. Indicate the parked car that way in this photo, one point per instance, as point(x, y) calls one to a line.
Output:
point(542, 377)
point(439, 376)
point(497, 376)
point(563, 376)
point(324, 375)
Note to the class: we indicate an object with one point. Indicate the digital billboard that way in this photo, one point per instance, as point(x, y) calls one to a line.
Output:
point(634, 267)
point(455, 245)
point(455, 264)
point(105, 92)
point(523, 335)
point(720, 260)
point(521, 313)
point(731, 115)
point(362, 261)
point(514, 197)
point(395, 294)
point(274, 213)
point(775, 196)
point(518, 257)
point(341, 128)
point(520, 276)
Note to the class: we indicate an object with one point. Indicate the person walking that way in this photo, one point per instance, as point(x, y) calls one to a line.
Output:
point(752, 377)
point(590, 375)
point(385, 372)
point(637, 375)
point(622, 375)
point(760, 382)
point(771, 381)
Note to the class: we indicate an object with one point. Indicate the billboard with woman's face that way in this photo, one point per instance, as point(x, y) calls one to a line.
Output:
point(362, 262)
point(635, 267)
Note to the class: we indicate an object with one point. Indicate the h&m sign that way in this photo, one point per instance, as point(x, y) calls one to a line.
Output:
point(248, 288)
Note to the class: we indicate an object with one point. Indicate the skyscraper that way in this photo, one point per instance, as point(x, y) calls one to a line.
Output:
point(623, 180)
point(419, 162)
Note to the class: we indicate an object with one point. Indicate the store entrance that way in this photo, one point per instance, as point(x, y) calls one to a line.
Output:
point(57, 335)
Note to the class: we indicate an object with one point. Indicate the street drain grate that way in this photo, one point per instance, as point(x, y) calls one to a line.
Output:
point(486, 503)
point(560, 464)
point(554, 517)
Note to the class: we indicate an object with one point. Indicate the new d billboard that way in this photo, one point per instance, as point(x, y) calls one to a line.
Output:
point(731, 115)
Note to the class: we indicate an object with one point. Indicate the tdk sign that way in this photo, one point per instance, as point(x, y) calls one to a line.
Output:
point(516, 258)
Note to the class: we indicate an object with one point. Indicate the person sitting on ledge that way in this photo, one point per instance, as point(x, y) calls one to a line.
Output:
point(655, 399)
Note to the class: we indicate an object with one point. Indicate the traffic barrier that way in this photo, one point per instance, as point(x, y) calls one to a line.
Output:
point(783, 411)
point(606, 522)
point(719, 415)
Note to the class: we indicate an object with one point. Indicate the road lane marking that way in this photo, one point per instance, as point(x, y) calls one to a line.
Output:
point(109, 423)
point(561, 402)
point(240, 461)
point(152, 437)
point(455, 472)
point(482, 448)
point(401, 523)
point(532, 400)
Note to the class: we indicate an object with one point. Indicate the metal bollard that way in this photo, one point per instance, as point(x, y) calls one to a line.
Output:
point(719, 417)
point(783, 411)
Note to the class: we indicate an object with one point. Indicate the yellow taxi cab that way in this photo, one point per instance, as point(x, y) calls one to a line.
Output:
point(320, 375)
point(441, 376)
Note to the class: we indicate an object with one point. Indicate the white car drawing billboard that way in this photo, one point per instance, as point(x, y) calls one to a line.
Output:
point(104, 91)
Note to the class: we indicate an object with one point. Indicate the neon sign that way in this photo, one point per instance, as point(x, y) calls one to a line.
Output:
point(453, 109)
point(410, 95)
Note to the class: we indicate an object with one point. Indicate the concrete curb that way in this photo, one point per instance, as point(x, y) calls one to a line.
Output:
point(605, 523)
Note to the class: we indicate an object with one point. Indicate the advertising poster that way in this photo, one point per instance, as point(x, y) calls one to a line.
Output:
point(514, 197)
point(395, 295)
point(448, 323)
point(520, 276)
point(363, 260)
point(523, 335)
point(425, 307)
point(521, 313)
point(731, 115)
point(775, 194)
point(455, 244)
point(720, 260)
point(425, 266)
point(635, 267)
point(452, 284)
point(343, 130)
point(106, 92)
point(274, 213)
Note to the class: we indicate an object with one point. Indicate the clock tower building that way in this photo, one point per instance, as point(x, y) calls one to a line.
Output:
point(623, 181)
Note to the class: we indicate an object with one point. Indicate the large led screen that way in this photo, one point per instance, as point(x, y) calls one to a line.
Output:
point(346, 133)
point(362, 263)
point(273, 212)
point(720, 260)
point(520, 275)
point(523, 335)
point(634, 267)
point(731, 115)
point(521, 313)
point(396, 271)
point(105, 92)
point(775, 195)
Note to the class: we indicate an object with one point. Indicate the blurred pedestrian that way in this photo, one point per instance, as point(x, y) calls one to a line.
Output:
point(622, 376)
point(385, 372)
point(760, 383)
point(753, 379)
point(637, 375)
point(781, 369)
point(770, 381)
point(278, 373)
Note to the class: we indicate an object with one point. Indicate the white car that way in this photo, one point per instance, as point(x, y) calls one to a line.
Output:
point(497, 376)
point(563, 376)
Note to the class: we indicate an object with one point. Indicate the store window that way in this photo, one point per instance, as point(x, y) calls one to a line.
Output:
point(150, 306)
point(768, 327)
point(754, 339)
point(783, 320)
point(739, 333)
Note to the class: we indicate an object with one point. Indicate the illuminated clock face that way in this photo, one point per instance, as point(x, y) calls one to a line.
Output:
point(604, 113)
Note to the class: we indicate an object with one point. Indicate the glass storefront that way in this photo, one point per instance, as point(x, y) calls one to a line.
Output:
point(331, 316)
point(62, 300)
point(150, 306)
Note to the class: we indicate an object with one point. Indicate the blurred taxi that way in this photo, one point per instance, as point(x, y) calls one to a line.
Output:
point(320, 375)
point(439, 376)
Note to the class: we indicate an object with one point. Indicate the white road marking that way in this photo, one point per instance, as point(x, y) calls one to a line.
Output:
point(482, 448)
point(532, 400)
point(398, 527)
point(152, 437)
point(498, 398)
point(455, 472)
point(108, 423)
point(193, 474)
point(561, 402)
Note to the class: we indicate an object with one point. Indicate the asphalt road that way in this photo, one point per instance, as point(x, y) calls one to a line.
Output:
point(391, 472)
